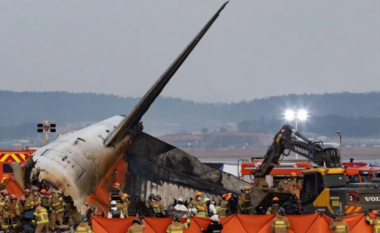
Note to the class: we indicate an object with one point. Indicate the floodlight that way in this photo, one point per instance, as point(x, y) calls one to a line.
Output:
point(302, 115)
point(289, 115)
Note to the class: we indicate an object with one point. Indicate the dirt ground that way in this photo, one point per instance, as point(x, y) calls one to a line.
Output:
point(346, 153)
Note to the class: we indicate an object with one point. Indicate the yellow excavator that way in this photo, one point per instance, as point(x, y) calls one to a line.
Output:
point(325, 189)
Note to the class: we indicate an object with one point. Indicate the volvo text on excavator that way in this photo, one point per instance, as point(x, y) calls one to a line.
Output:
point(325, 189)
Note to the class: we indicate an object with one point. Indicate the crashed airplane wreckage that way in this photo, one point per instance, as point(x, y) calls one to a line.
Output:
point(84, 164)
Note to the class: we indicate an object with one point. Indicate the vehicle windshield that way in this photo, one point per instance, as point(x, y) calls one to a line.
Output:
point(335, 180)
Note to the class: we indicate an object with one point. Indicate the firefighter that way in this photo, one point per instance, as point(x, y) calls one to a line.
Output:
point(245, 201)
point(21, 205)
point(280, 223)
point(83, 226)
point(222, 208)
point(10, 211)
point(375, 222)
point(58, 207)
point(29, 200)
point(117, 195)
point(199, 205)
point(180, 208)
point(4, 195)
point(177, 226)
point(137, 226)
point(211, 210)
point(338, 224)
point(41, 219)
point(150, 201)
point(284, 186)
point(45, 200)
point(114, 211)
point(275, 206)
point(158, 207)
point(214, 226)
point(295, 184)
point(126, 202)
point(35, 196)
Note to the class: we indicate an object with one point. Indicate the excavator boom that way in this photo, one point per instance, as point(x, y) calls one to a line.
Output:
point(313, 151)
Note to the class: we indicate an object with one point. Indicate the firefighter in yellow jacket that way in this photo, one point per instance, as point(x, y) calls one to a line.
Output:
point(199, 205)
point(177, 226)
point(126, 202)
point(116, 195)
point(275, 206)
point(41, 219)
point(222, 208)
point(245, 201)
point(375, 222)
point(58, 207)
point(280, 224)
point(10, 211)
point(339, 225)
point(83, 226)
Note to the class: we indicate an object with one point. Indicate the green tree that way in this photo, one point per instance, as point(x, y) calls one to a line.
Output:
point(204, 130)
point(248, 126)
point(223, 130)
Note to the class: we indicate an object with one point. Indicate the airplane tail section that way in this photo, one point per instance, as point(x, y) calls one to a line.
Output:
point(140, 109)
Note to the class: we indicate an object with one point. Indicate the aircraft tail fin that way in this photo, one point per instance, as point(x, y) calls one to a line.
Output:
point(142, 107)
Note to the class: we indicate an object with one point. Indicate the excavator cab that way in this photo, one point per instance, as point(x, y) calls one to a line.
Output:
point(322, 191)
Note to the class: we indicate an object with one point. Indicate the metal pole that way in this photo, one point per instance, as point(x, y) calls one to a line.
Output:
point(296, 129)
point(46, 138)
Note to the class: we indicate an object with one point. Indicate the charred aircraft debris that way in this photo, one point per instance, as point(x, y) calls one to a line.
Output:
point(82, 164)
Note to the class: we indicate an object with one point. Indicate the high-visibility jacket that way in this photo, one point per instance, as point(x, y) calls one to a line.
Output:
point(178, 227)
point(375, 222)
point(339, 226)
point(83, 228)
point(222, 209)
point(245, 201)
point(273, 209)
point(40, 216)
point(158, 206)
point(201, 208)
point(280, 224)
point(57, 204)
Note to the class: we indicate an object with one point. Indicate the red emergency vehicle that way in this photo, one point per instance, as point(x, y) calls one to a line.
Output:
point(12, 155)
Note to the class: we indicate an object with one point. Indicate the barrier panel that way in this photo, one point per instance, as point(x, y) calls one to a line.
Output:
point(311, 223)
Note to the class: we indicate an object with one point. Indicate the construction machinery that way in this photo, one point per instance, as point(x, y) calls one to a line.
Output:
point(325, 189)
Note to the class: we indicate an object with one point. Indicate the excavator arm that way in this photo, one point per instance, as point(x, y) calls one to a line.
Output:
point(313, 151)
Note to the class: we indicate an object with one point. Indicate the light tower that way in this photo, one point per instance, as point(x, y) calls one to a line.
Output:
point(46, 127)
point(297, 115)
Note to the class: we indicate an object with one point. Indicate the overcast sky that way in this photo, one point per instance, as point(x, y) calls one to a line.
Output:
point(255, 49)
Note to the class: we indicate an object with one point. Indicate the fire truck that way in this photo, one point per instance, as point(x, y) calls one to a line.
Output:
point(356, 172)
point(12, 155)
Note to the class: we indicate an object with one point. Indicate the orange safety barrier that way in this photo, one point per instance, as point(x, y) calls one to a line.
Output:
point(311, 223)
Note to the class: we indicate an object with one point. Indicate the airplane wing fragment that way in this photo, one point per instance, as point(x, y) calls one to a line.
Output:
point(140, 109)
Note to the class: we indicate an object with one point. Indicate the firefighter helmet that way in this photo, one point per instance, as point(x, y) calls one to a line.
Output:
point(116, 185)
point(4, 192)
point(43, 191)
point(35, 189)
point(27, 192)
point(176, 218)
point(22, 199)
point(13, 197)
point(224, 196)
point(151, 196)
point(136, 220)
point(50, 192)
point(125, 195)
point(275, 199)
point(339, 214)
point(206, 199)
point(281, 211)
point(158, 196)
point(246, 188)
point(83, 218)
point(293, 174)
point(198, 194)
